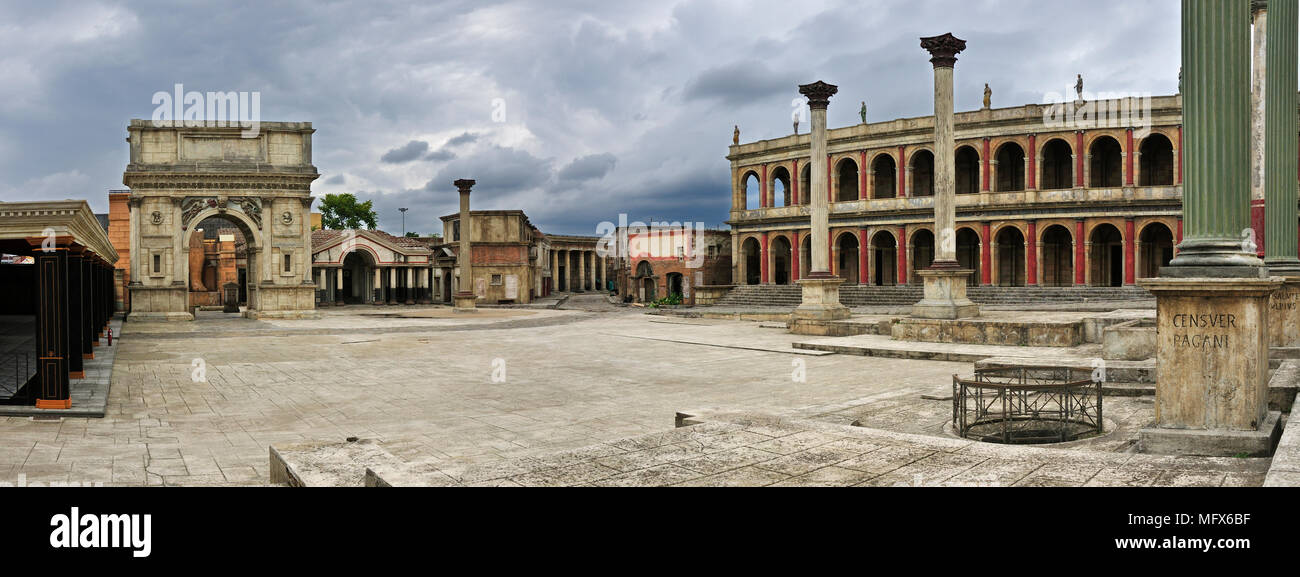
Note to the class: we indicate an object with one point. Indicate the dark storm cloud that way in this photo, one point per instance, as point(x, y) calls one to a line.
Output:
point(532, 98)
point(739, 83)
point(406, 153)
point(592, 167)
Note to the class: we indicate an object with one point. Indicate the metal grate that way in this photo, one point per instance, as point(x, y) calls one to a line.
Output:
point(1027, 406)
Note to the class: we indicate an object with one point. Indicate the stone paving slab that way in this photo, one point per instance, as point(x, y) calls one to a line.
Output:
point(886, 347)
point(751, 450)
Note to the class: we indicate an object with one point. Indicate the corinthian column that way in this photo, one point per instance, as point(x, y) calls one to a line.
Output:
point(1280, 173)
point(466, 299)
point(943, 55)
point(945, 281)
point(819, 98)
point(821, 290)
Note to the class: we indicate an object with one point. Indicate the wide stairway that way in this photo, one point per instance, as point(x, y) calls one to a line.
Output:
point(789, 296)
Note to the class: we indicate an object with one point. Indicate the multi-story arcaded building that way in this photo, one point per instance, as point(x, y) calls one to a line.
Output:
point(1044, 198)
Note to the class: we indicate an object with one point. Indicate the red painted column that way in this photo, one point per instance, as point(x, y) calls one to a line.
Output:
point(764, 200)
point(1033, 162)
point(1128, 159)
point(862, 177)
point(763, 255)
point(794, 258)
point(902, 171)
point(864, 277)
point(987, 164)
point(1031, 254)
point(1130, 252)
point(1080, 256)
point(986, 254)
point(1257, 223)
point(1180, 236)
point(830, 180)
point(902, 255)
point(1180, 157)
point(1079, 155)
point(794, 184)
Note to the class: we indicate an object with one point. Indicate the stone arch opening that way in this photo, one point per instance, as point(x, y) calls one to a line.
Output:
point(1058, 256)
point(781, 260)
point(1011, 168)
point(846, 189)
point(751, 255)
point(805, 256)
point(221, 249)
point(968, 170)
point(1107, 255)
point(885, 177)
point(753, 191)
point(646, 282)
point(884, 249)
point(1157, 249)
point(1058, 165)
point(1107, 164)
point(781, 187)
point(1156, 162)
point(968, 254)
point(1010, 245)
point(923, 173)
point(847, 248)
point(356, 278)
point(921, 250)
point(676, 284)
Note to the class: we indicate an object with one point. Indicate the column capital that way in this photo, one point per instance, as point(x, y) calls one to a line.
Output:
point(464, 185)
point(819, 94)
point(943, 49)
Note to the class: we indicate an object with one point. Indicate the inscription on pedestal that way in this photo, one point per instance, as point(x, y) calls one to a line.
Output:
point(1204, 331)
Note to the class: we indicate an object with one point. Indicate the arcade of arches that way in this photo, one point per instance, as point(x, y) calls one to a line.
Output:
point(1015, 254)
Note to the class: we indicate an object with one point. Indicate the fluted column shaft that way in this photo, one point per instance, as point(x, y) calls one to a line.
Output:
point(1216, 197)
point(945, 170)
point(818, 200)
point(1281, 161)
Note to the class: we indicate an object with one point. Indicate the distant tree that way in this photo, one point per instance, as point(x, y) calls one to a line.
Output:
point(412, 235)
point(343, 212)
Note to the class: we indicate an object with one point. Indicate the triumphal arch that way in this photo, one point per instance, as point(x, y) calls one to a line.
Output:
point(185, 176)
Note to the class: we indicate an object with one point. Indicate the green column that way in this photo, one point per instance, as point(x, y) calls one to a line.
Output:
point(1216, 110)
point(1280, 149)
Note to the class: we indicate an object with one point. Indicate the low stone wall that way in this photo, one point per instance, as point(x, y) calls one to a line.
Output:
point(1283, 385)
point(984, 332)
point(707, 296)
point(1130, 341)
point(1285, 470)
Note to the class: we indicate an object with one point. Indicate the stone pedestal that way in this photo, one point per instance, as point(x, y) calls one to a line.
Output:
point(945, 296)
point(1284, 314)
point(464, 302)
point(1212, 368)
point(821, 305)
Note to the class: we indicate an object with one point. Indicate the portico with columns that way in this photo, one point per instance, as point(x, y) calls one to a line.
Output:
point(370, 267)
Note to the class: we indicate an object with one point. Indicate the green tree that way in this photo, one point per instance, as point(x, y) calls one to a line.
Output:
point(412, 235)
point(343, 212)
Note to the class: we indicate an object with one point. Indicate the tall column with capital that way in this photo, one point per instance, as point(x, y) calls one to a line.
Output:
point(466, 298)
point(1212, 359)
point(945, 280)
point(1281, 167)
point(821, 290)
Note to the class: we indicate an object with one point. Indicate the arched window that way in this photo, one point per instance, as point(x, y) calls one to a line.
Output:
point(753, 191)
point(1011, 168)
point(1107, 254)
point(884, 257)
point(923, 173)
point(1157, 161)
point(968, 170)
point(885, 177)
point(1058, 166)
point(781, 186)
point(1107, 164)
point(1011, 257)
point(847, 185)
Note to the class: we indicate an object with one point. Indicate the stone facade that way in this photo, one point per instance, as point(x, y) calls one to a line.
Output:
point(1038, 204)
point(660, 262)
point(370, 267)
point(510, 258)
point(179, 176)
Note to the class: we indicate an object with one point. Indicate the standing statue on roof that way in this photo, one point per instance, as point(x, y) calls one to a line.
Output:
point(735, 136)
point(1078, 87)
point(862, 112)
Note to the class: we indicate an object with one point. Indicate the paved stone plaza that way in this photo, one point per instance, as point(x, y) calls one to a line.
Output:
point(201, 403)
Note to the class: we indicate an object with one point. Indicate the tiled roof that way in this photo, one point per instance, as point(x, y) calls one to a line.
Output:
point(321, 238)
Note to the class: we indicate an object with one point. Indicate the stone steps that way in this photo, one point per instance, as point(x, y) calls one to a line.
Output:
point(865, 296)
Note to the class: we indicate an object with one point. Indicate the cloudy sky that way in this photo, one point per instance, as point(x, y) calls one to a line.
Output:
point(609, 106)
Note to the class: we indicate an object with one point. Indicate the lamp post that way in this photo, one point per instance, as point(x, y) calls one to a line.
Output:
point(403, 211)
